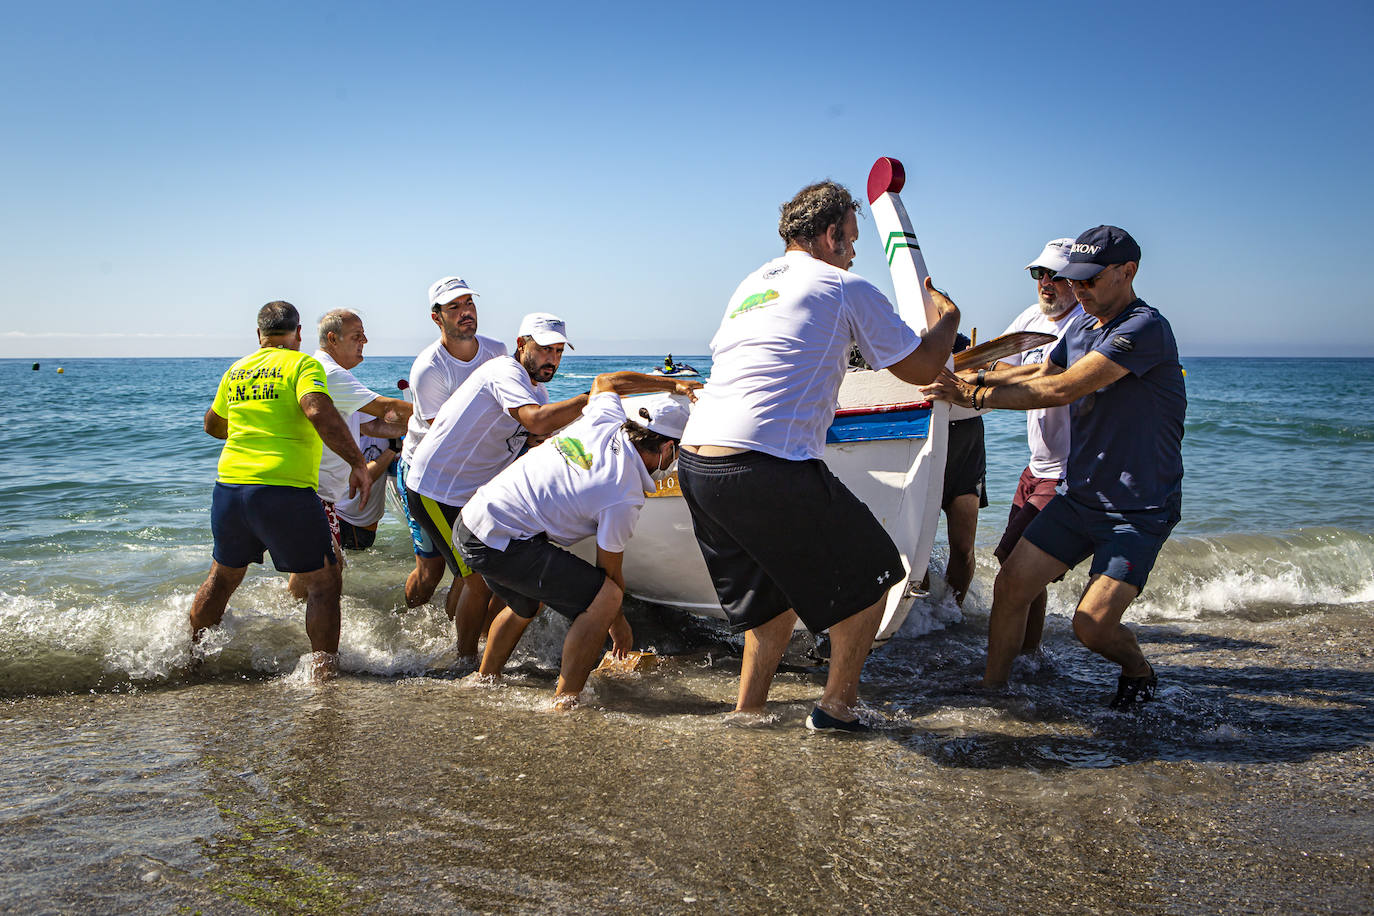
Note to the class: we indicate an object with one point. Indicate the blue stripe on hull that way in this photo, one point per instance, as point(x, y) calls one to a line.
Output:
point(897, 424)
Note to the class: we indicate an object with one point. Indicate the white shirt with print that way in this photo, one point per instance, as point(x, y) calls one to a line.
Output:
point(474, 436)
point(588, 479)
point(1047, 428)
point(436, 374)
point(782, 350)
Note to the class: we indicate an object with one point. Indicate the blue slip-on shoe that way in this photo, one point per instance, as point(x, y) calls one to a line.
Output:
point(821, 721)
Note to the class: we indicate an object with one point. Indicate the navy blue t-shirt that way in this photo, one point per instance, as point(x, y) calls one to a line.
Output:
point(1126, 440)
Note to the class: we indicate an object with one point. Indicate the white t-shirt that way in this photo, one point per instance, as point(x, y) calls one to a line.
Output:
point(348, 508)
point(348, 395)
point(474, 436)
point(436, 374)
point(586, 480)
point(782, 350)
point(1047, 428)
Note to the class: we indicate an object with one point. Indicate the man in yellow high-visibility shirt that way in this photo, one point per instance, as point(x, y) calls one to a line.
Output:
point(273, 410)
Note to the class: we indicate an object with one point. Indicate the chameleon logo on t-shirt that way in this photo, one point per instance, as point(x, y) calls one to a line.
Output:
point(757, 300)
point(574, 453)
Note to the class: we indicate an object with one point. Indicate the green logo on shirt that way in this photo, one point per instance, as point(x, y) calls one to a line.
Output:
point(755, 301)
point(573, 452)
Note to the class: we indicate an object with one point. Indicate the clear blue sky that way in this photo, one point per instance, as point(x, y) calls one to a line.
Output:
point(169, 167)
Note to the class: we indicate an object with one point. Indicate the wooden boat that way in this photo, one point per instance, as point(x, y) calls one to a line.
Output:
point(886, 444)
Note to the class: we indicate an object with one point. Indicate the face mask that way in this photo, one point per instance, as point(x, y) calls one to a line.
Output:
point(661, 473)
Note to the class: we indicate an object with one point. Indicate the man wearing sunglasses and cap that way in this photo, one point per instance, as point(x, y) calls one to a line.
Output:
point(589, 480)
point(1047, 428)
point(1117, 368)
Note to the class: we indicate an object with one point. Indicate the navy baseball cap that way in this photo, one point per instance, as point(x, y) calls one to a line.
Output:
point(1098, 248)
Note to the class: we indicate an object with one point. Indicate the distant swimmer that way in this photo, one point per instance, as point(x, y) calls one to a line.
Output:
point(342, 338)
point(1047, 428)
point(782, 537)
point(1117, 368)
point(589, 480)
point(273, 409)
point(436, 373)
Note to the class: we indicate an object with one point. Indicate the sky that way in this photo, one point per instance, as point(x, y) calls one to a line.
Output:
point(170, 167)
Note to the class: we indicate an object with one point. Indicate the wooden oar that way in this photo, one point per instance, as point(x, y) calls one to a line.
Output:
point(992, 350)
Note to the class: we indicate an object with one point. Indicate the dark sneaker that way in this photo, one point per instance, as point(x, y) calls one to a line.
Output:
point(1131, 691)
point(822, 721)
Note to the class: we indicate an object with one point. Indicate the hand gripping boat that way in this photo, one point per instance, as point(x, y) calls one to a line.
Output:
point(886, 443)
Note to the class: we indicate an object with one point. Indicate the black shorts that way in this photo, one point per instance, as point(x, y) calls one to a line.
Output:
point(437, 519)
point(966, 463)
point(356, 537)
point(779, 534)
point(248, 519)
point(533, 571)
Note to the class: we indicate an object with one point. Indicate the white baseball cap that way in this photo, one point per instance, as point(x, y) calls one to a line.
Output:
point(444, 291)
point(1055, 256)
point(664, 414)
point(546, 329)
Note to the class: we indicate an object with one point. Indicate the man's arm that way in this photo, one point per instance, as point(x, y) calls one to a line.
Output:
point(1052, 387)
point(922, 365)
point(332, 429)
point(1004, 374)
point(392, 410)
point(626, 383)
point(542, 419)
point(381, 429)
point(622, 637)
point(216, 425)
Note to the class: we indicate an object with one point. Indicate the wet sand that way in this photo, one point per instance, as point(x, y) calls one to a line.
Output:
point(1246, 787)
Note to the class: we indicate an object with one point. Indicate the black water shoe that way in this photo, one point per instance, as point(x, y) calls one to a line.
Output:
point(1132, 691)
point(822, 721)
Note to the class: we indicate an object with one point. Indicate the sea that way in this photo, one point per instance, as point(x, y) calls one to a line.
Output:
point(132, 781)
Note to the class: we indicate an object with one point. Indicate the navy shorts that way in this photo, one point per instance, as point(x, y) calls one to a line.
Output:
point(779, 534)
point(289, 522)
point(966, 463)
point(1123, 545)
point(533, 571)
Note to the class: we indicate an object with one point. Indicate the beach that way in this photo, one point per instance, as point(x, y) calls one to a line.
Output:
point(131, 782)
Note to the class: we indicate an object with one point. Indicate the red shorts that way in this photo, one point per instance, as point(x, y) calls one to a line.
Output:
point(1032, 495)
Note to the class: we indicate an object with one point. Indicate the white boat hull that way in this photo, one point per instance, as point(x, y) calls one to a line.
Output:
point(899, 476)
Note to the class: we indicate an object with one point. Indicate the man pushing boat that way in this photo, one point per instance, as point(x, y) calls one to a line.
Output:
point(1117, 367)
point(587, 481)
point(782, 537)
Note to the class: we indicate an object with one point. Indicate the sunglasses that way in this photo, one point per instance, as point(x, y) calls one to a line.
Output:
point(1041, 273)
point(1092, 281)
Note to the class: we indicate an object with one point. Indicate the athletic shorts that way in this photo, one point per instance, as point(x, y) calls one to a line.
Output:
point(1123, 545)
point(966, 463)
point(531, 572)
point(1032, 494)
point(289, 522)
point(437, 520)
point(356, 537)
point(779, 534)
point(424, 544)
